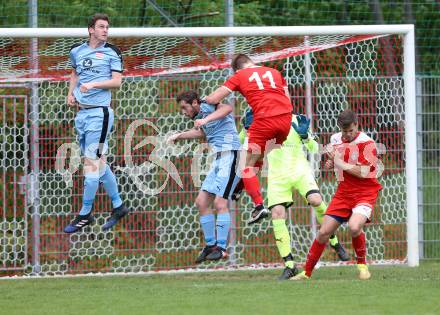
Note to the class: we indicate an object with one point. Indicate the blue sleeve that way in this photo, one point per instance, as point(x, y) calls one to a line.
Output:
point(72, 59)
point(116, 62)
point(206, 108)
point(115, 58)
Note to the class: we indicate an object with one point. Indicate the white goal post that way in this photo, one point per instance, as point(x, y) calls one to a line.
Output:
point(339, 66)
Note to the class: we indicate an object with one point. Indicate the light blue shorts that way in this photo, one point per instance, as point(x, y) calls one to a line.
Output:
point(94, 126)
point(222, 177)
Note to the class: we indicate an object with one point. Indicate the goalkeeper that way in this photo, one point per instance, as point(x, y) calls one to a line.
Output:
point(289, 170)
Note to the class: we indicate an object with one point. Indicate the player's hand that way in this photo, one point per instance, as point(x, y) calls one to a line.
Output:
point(330, 151)
point(302, 129)
point(71, 100)
point(171, 139)
point(329, 164)
point(85, 87)
point(199, 123)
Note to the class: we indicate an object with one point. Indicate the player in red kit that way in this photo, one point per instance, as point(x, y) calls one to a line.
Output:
point(266, 93)
point(353, 155)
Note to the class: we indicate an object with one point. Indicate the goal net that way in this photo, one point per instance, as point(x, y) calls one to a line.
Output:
point(41, 181)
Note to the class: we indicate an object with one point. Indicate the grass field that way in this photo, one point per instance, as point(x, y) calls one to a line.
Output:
point(391, 290)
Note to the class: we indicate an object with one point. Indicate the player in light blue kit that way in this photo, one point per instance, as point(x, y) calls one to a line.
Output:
point(97, 68)
point(216, 123)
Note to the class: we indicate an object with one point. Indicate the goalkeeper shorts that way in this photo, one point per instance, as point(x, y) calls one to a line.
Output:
point(280, 189)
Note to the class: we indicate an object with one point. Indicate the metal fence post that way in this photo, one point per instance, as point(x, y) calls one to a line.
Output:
point(34, 142)
point(419, 113)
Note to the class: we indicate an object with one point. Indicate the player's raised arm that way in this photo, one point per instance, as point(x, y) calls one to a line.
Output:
point(302, 128)
point(218, 95)
point(222, 111)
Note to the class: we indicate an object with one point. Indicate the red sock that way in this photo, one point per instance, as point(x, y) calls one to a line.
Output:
point(252, 185)
point(360, 248)
point(313, 256)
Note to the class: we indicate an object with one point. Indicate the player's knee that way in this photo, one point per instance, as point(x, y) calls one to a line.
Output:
point(355, 229)
point(324, 234)
point(92, 166)
point(322, 237)
point(278, 212)
point(314, 199)
point(221, 205)
point(201, 203)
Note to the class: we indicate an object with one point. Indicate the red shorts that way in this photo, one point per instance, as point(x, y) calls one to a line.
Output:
point(268, 131)
point(342, 205)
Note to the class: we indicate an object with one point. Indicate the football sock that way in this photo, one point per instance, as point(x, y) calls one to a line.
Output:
point(91, 184)
point(252, 185)
point(313, 257)
point(223, 224)
point(334, 240)
point(282, 238)
point(360, 248)
point(208, 226)
point(108, 179)
point(319, 212)
point(288, 261)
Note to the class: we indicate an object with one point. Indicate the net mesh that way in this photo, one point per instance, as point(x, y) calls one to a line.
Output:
point(163, 231)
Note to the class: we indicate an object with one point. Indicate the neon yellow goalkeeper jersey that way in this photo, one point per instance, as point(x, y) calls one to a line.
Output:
point(291, 158)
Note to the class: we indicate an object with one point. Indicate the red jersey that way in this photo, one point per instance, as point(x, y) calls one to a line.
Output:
point(264, 90)
point(361, 151)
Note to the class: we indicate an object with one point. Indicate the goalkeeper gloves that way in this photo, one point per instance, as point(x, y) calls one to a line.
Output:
point(302, 129)
point(248, 118)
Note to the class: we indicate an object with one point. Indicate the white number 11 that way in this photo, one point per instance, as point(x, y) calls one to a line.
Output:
point(257, 79)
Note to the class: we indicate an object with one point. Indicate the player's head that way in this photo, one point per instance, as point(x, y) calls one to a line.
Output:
point(241, 61)
point(348, 123)
point(98, 26)
point(189, 103)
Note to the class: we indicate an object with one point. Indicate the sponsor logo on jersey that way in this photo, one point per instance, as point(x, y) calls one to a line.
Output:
point(87, 62)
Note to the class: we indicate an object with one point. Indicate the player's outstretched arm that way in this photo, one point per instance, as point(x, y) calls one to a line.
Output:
point(221, 111)
point(218, 95)
point(185, 135)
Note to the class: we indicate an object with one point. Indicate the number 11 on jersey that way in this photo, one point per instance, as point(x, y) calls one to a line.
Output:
point(255, 76)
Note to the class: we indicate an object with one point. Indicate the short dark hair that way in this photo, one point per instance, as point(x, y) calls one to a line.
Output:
point(96, 17)
point(239, 60)
point(346, 118)
point(188, 96)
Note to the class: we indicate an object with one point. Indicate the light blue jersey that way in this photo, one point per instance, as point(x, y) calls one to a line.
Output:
point(94, 65)
point(221, 134)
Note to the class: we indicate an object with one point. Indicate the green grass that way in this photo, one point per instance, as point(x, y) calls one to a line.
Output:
point(391, 290)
